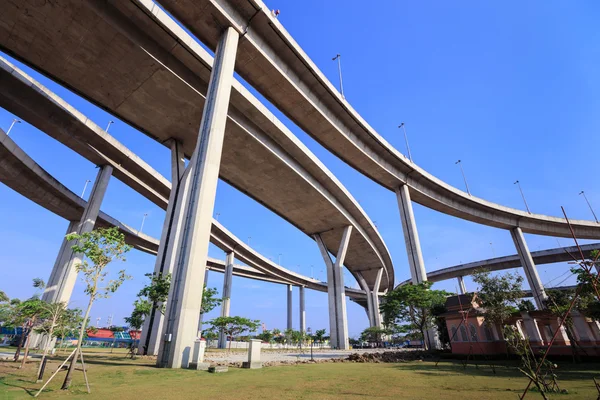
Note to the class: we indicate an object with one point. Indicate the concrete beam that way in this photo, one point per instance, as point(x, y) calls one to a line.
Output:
point(302, 304)
point(363, 285)
point(165, 259)
point(289, 307)
point(375, 301)
point(537, 288)
point(226, 300)
point(336, 292)
point(182, 316)
point(461, 285)
point(411, 236)
point(64, 274)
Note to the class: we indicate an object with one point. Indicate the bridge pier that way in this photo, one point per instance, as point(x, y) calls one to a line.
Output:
point(537, 289)
point(64, 275)
point(201, 319)
point(411, 236)
point(363, 285)
point(183, 308)
point(375, 300)
point(461, 285)
point(302, 309)
point(338, 322)
point(165, 258)
point(226, 302)
point(289, 307)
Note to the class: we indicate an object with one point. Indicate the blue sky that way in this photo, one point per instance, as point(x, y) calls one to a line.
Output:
point(510, 88)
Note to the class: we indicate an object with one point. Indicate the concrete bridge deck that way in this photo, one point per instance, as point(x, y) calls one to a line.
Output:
point(274, 64)
point(137, 63)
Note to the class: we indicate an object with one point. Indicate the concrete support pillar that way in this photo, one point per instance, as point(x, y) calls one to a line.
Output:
point(461, 285)
point(582, 328)
point(64, 274)
point(289, 307)
point(363, 285)
point(336, 291)
point(595, 326)
point(226, 300)
point(165, 258)
point(532, 329)
point(183, 310)
point(375, 299)
point(201, 320)
point(411, 236)
point(537, 289)
point(302, 310)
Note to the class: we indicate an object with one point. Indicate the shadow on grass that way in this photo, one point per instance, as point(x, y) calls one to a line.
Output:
point(29, 390)
point(575, 372)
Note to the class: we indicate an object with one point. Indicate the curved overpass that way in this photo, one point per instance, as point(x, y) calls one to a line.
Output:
point(19, 172)
point(559, 254)
point(138, 64)
point(271, 61)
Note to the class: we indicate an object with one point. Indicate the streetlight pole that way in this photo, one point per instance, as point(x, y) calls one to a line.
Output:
point(338, 57)
point(312, 276)
point(143, 220)
point(589, 205)
point(217, 215)
point(406, 140)
point(108, 126)
point(522, 195)
point(463, 174)
point(85, 187)
point(279, 259)
point(493, 252)
point(14, 121)
point(249, 239)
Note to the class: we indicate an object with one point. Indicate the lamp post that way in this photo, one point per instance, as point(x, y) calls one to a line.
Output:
point(523, 196)
point(459, 162)
point(589, 205)
point(493, 252)
point(338, 57)
point(217, 215)
point(85, 187)
point(108, 126)
point(143, 220)
point(249, 239)
point(406, 140)
point(14, 121)
point(279, 259)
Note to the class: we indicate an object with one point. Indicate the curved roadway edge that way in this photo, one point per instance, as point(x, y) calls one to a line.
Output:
point(164, 83)
point(270, 60)
point(31, 101)
point(560, 254)
point(19, 172)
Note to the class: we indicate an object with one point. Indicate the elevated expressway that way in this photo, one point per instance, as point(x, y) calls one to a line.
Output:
point(22, 174)
point(38, 105)
point(138, 64)
point(550, 256)
point(274, 64)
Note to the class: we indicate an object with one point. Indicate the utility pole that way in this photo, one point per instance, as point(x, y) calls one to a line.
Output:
point(338, 57)
point(589, 205)
point(406, 140)
point(14, 121)
point(143, 220)
point(108, 126)
point(463, 174)
point(85, 187)
point(522, 195)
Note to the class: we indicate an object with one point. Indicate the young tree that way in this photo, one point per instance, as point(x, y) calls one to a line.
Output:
point(374, 334)
point(320, 335)
point(54, 313)
point(209, 300)
point(101, 247)
point(30, 311)
point(157, 291)
point(413, 304)
point(233, 326)
point(69, 324)
point(499, 295)
point(266, 336)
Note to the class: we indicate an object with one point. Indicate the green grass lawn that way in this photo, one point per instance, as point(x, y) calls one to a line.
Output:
point(114, 377)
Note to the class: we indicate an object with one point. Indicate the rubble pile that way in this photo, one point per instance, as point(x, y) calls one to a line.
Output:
point(389, 357)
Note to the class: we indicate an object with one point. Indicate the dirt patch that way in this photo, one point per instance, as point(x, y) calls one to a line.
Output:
point(389, 357)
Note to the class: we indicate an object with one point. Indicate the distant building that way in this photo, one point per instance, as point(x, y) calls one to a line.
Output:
point(474, 336)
